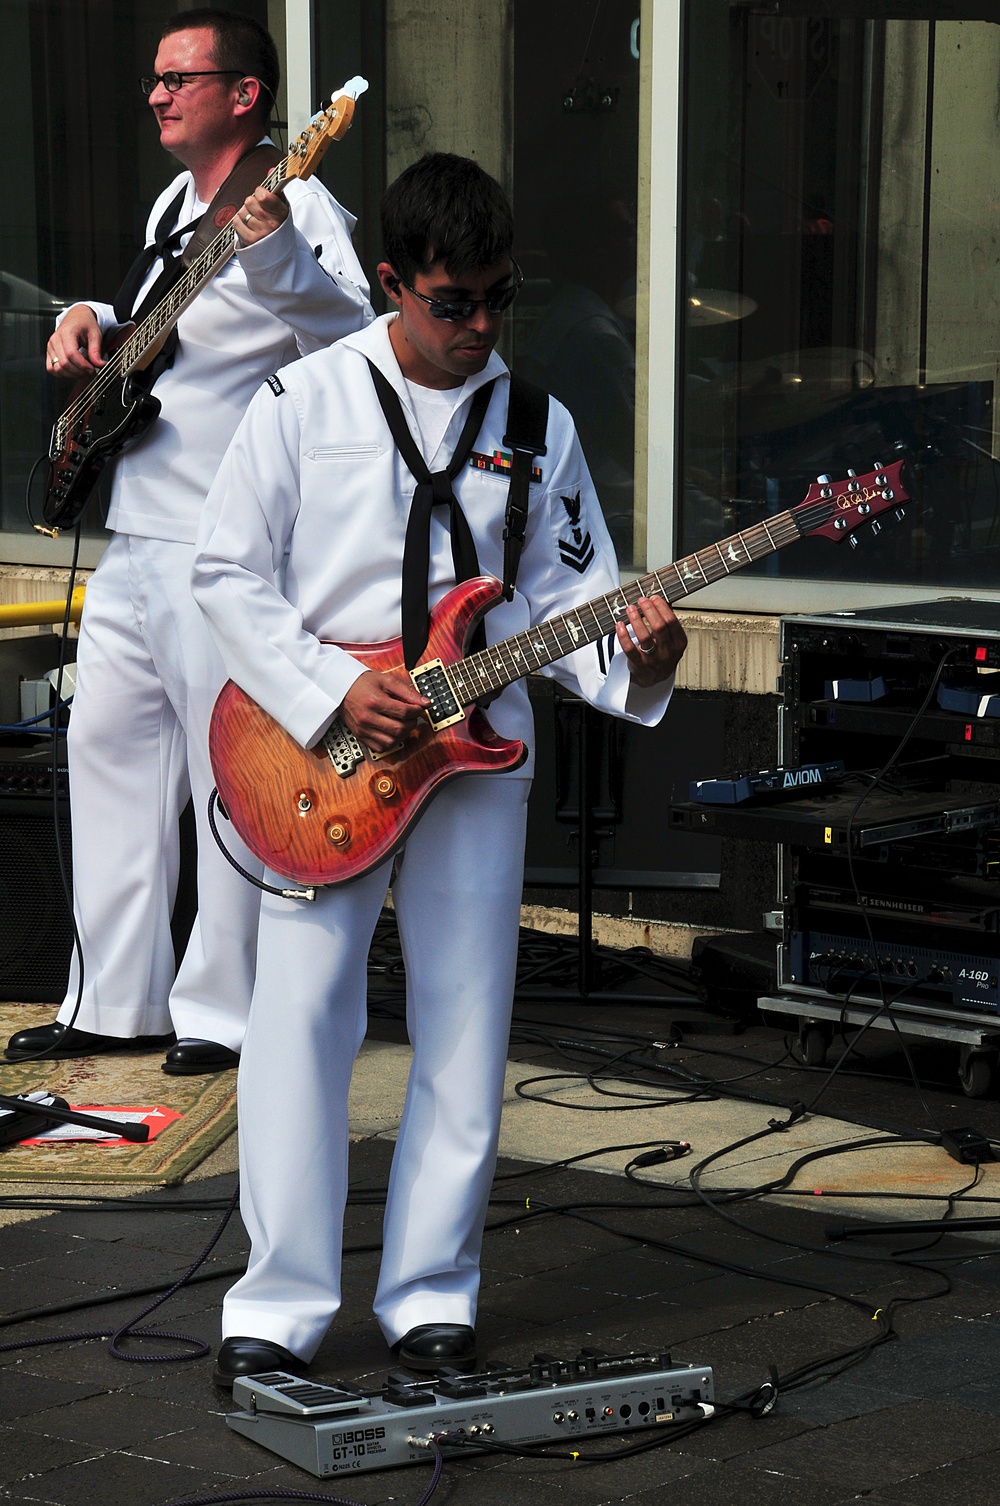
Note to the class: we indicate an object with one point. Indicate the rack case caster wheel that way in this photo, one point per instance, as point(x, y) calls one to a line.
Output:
point(814, 1042)
point(976, 1071)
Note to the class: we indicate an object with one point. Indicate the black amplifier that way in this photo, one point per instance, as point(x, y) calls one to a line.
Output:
point(897, 639)
point(26, 768)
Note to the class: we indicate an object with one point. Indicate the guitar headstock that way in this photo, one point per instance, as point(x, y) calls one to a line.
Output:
point(837, 509)
point(332, 124)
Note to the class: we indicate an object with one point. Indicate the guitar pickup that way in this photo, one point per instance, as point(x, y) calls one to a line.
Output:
point(431, 679)
point(343, 748)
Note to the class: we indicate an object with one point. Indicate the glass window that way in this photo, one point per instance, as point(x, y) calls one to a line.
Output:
point(349, 39)
point(841, 168)
point(576, 122)
point(88, 167)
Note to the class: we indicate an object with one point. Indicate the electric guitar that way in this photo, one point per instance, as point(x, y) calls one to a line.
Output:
point(335, 812)
point(112, 408)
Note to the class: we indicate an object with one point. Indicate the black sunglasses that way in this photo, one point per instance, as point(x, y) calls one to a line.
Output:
point(172, 81)
point(455, 309)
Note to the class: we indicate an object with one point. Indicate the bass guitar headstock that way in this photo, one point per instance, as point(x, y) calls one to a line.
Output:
point(332, 124)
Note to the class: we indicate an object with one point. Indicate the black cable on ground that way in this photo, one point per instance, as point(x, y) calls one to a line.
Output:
point(198, 1348)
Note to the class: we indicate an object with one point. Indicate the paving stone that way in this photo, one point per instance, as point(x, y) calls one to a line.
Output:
point(740, 1483)
point(881, 1448)
point(958, 1483)
point(115, 1479)
point(25, 1455)
point(541, 1300)
point(850, 1395)
point(210, 1445)
point(114, 1420)
point(22, 1393)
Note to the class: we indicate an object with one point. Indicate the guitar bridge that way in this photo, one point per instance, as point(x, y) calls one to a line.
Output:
point(344, 749)
point(431, 680)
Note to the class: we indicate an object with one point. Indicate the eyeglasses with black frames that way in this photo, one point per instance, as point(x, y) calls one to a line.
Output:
point(173, 81)
point(455, 309)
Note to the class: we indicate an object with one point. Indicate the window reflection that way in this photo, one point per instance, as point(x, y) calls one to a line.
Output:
point(840, 276)
point(576, 101)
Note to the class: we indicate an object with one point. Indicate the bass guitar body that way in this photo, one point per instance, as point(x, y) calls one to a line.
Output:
point(336, 811)
point(114, 415)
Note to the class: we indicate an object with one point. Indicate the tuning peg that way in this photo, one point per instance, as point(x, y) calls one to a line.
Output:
point(850, 472)
point(854, 540)
point(823, 480)
point(877, 465)
point(899, 514)
point(876, 527)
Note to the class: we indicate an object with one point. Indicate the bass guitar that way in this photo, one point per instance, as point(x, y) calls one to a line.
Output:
point(334, 812)
point(114, 407)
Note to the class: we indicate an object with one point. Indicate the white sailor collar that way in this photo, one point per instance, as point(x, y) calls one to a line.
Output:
point(374, 344)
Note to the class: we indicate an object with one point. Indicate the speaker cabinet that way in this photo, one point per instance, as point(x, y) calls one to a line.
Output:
point(36, 934)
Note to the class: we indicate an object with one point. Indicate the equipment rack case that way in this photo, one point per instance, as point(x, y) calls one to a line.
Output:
point(904, 881)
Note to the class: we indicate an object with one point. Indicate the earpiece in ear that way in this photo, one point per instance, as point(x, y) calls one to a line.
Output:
point(243, 97)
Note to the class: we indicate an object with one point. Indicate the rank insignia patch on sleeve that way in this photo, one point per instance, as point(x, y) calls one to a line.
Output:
point(578, 550)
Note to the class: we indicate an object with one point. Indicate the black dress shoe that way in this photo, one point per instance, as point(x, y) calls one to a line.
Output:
point(432, 1345)
point(238, 1356)
point(57, 1042)
point(191, 1056)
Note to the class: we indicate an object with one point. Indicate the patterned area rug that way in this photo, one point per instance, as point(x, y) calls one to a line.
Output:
point(207, 1104)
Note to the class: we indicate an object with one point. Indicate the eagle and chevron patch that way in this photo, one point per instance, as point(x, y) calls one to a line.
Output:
point(578, 550)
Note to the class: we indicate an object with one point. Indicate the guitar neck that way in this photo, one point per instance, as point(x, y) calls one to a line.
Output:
point(166, 313)
point(494, 668)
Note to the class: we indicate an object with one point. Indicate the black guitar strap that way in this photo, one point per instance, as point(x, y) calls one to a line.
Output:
point(527, 421)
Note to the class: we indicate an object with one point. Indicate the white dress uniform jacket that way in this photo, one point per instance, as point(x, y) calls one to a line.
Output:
point(148, 671)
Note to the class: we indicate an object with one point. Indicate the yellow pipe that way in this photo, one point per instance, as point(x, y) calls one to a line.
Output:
point(34, 613)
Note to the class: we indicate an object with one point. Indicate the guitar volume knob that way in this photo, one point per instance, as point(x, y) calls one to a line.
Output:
point(384, 787)
point(339, 833)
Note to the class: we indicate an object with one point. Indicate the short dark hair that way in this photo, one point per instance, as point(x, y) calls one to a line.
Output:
point(239, 43)
point(445, 208)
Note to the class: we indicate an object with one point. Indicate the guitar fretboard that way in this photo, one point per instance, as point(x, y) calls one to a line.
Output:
point(494, 668)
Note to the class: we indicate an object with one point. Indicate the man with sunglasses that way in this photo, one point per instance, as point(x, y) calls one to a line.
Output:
point(308, 539)
point(148, 671)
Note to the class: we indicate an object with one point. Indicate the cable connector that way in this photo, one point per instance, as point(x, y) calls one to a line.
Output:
point(795, 1112)
point(966, 1145)
point(672, 1151)
point(765, 1397)
point(309, 893)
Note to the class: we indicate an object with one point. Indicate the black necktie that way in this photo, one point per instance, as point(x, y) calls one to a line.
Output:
point(432, 490)
point(166, 244)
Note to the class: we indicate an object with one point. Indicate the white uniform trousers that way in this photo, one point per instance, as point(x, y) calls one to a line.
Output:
point(148, 674)
point(457, 896)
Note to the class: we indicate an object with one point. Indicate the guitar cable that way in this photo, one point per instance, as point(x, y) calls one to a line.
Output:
point(251, 878)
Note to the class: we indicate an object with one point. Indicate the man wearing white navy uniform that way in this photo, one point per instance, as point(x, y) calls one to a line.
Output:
point(148, 672)
point(302, 540)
